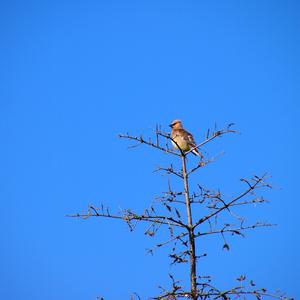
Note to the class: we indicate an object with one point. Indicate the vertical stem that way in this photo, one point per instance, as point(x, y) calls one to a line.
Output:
point(190, 230)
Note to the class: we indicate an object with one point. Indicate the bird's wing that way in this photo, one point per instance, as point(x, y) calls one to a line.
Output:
point(192, 144)
point(189, 138)
point(186, 136)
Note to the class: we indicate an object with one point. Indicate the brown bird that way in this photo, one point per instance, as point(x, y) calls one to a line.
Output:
point(184, 140)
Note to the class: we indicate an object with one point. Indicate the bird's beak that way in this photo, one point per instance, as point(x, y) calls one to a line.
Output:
point(170, 125)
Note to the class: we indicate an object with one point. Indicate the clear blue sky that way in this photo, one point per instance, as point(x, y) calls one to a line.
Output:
point(74, 74)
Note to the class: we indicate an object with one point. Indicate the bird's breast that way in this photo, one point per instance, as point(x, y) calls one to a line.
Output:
point(181, 142)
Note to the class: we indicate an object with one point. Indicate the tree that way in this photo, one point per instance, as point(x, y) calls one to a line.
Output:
point(175, 211)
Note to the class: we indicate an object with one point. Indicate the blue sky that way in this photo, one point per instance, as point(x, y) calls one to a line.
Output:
point(74, 74)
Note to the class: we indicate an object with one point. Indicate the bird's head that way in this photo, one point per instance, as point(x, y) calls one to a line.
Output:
point(176, 124)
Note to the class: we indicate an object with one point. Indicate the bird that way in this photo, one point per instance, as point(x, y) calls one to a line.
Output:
point(182, 139)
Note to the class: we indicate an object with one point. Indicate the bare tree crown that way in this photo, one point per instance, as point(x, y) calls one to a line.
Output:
point(174, 211)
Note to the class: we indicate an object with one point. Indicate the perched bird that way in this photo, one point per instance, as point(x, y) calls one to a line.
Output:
point(184, 140)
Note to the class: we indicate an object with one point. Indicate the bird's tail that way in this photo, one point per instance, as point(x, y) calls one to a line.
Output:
point(197, 153)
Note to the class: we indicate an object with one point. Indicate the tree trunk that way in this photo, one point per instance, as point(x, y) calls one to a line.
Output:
point(192, 249)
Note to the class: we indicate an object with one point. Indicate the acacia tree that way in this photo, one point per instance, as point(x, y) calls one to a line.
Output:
point(175, 211)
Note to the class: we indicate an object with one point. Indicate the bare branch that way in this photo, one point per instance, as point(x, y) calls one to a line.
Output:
point(170, 170)
point(142, 141)
point(129, 216)
point(250, 189)
point(234, 230)
point(203, 163)
point(215, 134)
